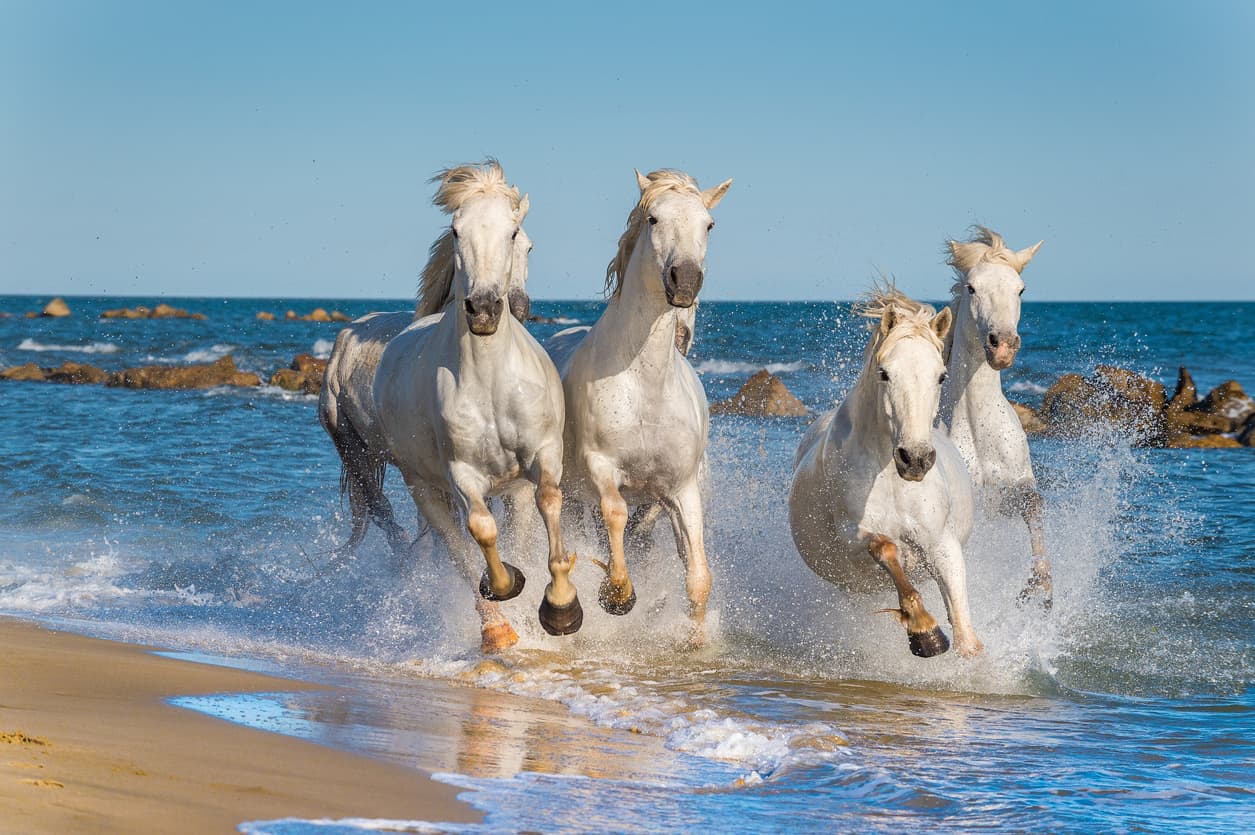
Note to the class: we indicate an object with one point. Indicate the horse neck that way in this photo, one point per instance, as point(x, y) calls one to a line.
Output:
point(971, 382)
point(639, 318)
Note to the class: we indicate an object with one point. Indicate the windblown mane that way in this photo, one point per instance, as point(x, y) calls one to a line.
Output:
point(984, 247)
point(457, 185)
point(911, 318)
point(660, 182)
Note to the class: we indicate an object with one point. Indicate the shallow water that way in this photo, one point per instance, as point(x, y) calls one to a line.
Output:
point(204, 520)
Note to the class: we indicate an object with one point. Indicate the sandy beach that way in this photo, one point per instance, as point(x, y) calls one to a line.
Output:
point(87, 744)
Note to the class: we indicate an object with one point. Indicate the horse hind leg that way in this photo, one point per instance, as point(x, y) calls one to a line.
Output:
point(922, 632)
point(639, 533)
point(1026, 502)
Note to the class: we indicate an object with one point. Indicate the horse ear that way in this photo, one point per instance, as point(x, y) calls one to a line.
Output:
point(1025, 255)
point(524, 205)
point(940, 323)
point(888, 319)
point(641, 180)
point(712, 196)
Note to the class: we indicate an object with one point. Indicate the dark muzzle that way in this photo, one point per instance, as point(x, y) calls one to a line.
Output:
point(1000, 349)
point(483, 313)
point(913, 466)
point(682, 283)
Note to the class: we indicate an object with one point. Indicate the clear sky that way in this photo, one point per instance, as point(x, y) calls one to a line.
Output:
point(283, 149)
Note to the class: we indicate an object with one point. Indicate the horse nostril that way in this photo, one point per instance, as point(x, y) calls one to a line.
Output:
point(904, 456)
point(470, 308)
point(675, 276)
point(929, 459)
point(993, 340)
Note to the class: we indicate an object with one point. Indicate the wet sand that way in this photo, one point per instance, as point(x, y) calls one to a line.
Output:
point(87, 744)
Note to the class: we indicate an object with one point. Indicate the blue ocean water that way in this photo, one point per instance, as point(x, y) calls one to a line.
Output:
point(204, 521)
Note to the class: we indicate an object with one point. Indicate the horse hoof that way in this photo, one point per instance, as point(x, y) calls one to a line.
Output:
point(610, 601)
point(927, 644)
point(1039, 589)
point(561, 620)
point(497, 637)
point(517, 581)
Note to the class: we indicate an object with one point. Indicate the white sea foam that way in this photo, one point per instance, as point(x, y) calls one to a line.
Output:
point(730, 367)
point(1027, 386)
point(322, 348)
point(93, 348)
point(211, 354)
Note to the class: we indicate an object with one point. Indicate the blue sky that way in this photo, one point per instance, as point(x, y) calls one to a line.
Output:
point(284, 148)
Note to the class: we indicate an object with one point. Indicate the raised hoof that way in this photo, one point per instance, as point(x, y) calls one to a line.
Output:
point(517, 581)
point(927, 644)
point(561, 620)
point(498, 637)
point(606, 597)
point(1038, 589)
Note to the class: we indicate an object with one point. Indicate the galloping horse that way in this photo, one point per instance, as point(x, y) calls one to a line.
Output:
point(469, 403)
point(346, 405)
point(875, 477)
point(637, 416)
point(983, 426)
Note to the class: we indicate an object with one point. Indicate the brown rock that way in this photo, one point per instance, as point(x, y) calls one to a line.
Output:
point(1186, 393)
point(30, 314)
point(1228, 400)
point(28, 372)
point(1112, 397)
point(1247, 436)
point(1029, 419)
point(337, 316)
point(1186, 415)
point(56, 308)
point(165, 311)
point(264, 316)
point(220, 373)
point(307, 363)
point(161, 311)
point(318, 315)
point(201, 316)
point(291, 316)
point(304, 374)
point(763, 395)
point(1203, 442)
point(77, 372)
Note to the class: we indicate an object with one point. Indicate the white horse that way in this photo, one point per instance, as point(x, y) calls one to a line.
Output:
point(637, 416)
point(469, 403)
point(875, 477)
point(982, 424)
point(346, 405)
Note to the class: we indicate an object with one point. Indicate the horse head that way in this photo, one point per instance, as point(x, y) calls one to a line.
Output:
point(989, 290)
point(485, 231)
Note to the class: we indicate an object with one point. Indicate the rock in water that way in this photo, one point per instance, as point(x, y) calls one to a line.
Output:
point(1112, 397)
point(304, 374)
point(28, 372)
point(220, 373)
point(763, 395)
point(56, 308)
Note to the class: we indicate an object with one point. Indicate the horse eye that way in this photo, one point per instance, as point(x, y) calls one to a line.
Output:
point(971, 290)
point(942, 378)
point(1021, 291)
point(652, 220)
point(454, 231)
point(884, 375)
point(711, 226)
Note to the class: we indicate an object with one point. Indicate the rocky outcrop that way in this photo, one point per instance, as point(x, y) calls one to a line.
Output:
point(1115, 399)
point(304, 375)
point(265, 316)
point(763, 395)
point(67, 372)
point(318, 314)
point(56, 308)
point(220, 373)
point(28, 372)
point(161, 311)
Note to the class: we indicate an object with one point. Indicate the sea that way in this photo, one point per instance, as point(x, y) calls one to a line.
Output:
point(206, 521)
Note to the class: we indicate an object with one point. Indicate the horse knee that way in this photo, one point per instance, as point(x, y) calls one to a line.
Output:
point(614, 511)
point(483, 528)
point(549, 499)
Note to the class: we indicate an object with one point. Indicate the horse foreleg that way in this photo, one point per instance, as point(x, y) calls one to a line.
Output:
point(496, 633)
point(688, 518)
point(640, 526)
point(1028, 502)
point(560, 610)
point(924, 636)
point(616, 594)
point(950, 571)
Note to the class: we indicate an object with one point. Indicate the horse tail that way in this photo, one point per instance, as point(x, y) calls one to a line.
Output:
point(362, 474)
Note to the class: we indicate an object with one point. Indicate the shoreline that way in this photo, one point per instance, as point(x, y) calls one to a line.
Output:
point(88, 743)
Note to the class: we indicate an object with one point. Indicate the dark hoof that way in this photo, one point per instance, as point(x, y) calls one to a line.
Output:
point(1039, 589)
point(928, 644)
point(561, 620)
point(605, 596)
point(517, 581)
